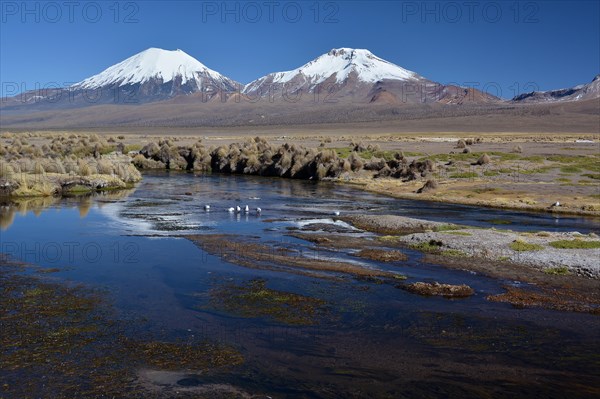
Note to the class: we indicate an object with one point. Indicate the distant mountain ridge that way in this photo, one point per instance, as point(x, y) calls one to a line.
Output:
point(580, 92)
point(344, 74)
point(359, 76)
point(159, 86)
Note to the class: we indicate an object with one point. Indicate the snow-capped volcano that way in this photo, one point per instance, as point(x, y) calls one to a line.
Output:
point(338, 65)
point(359, 76)
point(156, 64)
point(152, 75)
point(342, 75)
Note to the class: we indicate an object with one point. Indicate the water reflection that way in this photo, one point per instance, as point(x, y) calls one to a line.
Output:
point(304, 336)
point(11, 207)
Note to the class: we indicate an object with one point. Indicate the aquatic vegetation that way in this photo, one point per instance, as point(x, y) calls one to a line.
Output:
point(437, 289)
point(574, 244)
point(382, 255)
point(499, 221)
point(69, 343)
point(48, 270)
point(522, 246)
point(253, 299)
point(196, 356)
point(245, 251)
point(549, 298)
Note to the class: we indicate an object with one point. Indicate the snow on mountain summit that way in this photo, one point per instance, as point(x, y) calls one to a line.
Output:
point(155, 63)
point(341, 62)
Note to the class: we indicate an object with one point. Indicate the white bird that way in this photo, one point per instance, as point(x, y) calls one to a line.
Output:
point(231, 210)
point(556, 204)
point(258, 210)
point(246, 209)
point(336, 213)
point(207, 207)
point(238, 209)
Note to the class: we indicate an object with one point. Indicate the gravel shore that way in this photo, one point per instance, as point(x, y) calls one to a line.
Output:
point(392, 224)
point(528, 249)
point(496, 245)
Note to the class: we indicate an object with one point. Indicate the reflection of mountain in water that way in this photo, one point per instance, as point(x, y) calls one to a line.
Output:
point(9, 207)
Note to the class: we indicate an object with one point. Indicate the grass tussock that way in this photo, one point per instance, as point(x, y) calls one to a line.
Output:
point(62, 163)
point(522, 246)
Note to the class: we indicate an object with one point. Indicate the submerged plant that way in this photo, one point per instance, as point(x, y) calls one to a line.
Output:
point(254, 299)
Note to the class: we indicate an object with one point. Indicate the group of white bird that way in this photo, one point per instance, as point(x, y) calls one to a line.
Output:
point(237, 209)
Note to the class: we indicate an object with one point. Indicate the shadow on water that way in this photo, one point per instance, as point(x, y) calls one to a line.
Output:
point(304, 336)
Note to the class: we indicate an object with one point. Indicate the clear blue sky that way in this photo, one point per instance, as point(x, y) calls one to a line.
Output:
point(552, 44)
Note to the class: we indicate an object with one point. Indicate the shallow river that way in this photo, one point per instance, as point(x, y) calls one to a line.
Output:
point(365, 340)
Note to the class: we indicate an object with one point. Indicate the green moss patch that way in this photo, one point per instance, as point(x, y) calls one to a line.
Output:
point(522, 246)
point(430, 246)
point(557, 271)
point(570, 169)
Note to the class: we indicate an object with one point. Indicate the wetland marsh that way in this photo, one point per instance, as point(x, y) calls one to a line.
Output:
point(292, 302)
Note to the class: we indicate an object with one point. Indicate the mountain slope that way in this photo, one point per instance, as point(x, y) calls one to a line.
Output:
point(158, 66)
point(359, 76)
point(149, 76)
point(578, 93)
point(339, 64)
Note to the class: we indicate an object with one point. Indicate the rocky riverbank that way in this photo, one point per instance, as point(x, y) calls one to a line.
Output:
point(550, 252)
